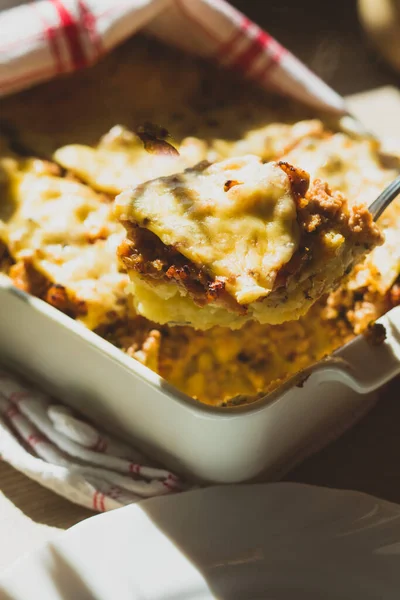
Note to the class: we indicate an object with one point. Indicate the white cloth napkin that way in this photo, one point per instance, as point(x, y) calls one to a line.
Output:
point(42, 39)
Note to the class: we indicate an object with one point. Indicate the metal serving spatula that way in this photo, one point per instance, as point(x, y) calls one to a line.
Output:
point(385, 198)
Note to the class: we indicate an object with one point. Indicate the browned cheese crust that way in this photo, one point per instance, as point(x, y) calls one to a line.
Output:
point(30, 280)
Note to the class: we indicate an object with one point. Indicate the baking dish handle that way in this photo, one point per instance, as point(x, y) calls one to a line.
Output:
point(362, 366)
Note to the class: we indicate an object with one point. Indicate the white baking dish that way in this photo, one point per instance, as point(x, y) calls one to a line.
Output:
point(206, 443)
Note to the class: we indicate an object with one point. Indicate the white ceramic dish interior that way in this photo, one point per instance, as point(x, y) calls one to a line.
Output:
point(211, 444)
point(282, 541)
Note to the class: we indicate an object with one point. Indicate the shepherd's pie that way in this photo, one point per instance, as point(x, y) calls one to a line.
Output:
point(219, 366)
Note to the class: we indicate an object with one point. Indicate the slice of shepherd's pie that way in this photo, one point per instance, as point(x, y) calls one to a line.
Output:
point(239, 239)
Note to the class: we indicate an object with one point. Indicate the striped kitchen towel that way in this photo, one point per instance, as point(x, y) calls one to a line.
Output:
point(49, 443)
point(44, 38)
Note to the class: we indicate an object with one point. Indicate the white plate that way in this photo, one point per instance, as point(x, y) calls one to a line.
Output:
point(279, 541)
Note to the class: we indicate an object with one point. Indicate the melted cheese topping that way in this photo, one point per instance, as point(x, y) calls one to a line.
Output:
point(120, 160)
point(268, 142)
point(242, 235)
point(70, 235)
point(349, 165)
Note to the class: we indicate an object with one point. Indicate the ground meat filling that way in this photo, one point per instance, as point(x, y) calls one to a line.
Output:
point(319, 211)
point(146, 254)
point(299, 180)
point(323, 210)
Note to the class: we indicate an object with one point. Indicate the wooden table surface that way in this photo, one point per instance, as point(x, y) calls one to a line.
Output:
point(327, 37)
